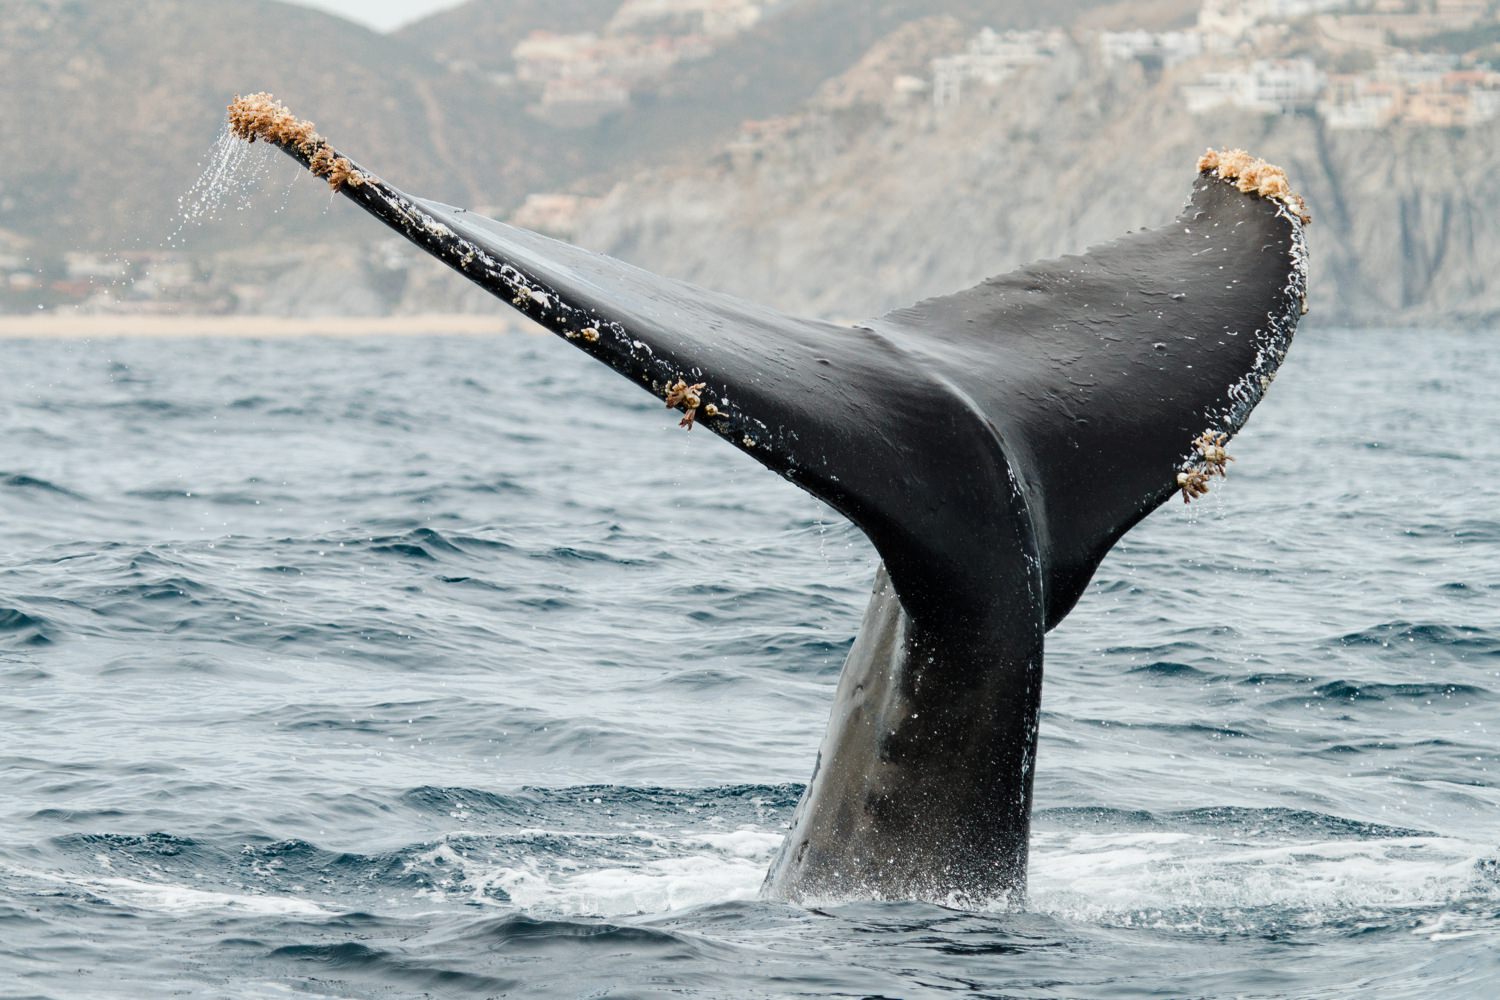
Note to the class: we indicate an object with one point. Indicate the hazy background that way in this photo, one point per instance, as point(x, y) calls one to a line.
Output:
point(836, 157)
point(450, 666)
point(382, 15)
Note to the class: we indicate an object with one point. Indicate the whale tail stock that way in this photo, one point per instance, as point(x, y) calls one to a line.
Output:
point(993, 444)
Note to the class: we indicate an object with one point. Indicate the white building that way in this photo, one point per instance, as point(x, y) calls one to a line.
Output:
point(82, 265)
point(1268, 86)
point(991, 57)
point(1366, 110)
point(1416, 69)
point(1234, 18)
point(712, 17)
point(1484, 106)
point(1169, 47)
point(547, 55)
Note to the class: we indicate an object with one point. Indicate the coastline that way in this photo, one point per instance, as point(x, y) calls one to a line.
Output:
point(74, 326)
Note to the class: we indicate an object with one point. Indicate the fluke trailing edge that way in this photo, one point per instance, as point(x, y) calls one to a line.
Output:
point(993, 444)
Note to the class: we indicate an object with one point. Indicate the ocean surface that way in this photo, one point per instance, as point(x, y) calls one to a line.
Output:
point(451, 667)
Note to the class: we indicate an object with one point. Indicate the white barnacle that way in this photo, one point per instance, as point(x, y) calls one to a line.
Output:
point(1193, 483)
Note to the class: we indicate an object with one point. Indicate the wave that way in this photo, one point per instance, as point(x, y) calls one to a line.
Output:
point(1246, 884)
point(730, 803)
point(1467, 640)
point(1360, 691)
point(20, 628)
point(1167, 669)
point(392, 968)
point(1225, 820)
point(463, 961)
point(156, 894)
point(20, 481)
point(430, 545)
point(601, 850)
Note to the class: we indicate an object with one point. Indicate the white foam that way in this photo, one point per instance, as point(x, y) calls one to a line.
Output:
point(658, 886)
point(650, 873)
point(275, 990)
point(745, 843)
point(1175, 880)
point(1451, 925)
point(169, 897)
point(1168, 880)
point(1196, 882)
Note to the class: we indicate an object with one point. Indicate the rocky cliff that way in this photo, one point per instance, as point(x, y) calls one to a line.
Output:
point(806, 160)
point(848, 210)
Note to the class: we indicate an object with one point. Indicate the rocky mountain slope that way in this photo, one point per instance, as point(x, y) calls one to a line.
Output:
point(112, 105)
point(803, 160)
point(849, 210)
point(482, 33)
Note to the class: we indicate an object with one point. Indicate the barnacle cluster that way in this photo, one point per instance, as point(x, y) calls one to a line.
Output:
point(1209, 460)
point(1254, 176)
point(261, 116)
point(1193, 483)
point(687, 396)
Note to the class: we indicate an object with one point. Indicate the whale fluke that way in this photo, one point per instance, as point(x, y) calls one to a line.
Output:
point(993, 444)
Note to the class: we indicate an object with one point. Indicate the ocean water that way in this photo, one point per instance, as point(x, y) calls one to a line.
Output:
point(451, 667)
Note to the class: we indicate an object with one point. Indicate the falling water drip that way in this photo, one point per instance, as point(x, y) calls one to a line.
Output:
point(233, 172)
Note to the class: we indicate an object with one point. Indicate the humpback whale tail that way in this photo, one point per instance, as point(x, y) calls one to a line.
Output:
point(993, 444)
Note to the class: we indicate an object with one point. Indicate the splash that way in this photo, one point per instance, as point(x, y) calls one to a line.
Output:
point(1215, 882)
point(628, 872)
point(161, 896)
point(1218, 880)
point(233, 173)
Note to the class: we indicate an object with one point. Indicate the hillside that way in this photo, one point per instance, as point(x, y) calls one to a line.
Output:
point(848, 208)
point(141, 87)
point(481, 34)
point(783, 61)
point(836, 157)
point(121, 101)
point(835, 219)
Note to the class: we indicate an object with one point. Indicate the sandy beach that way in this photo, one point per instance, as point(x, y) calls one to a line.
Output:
point(66, 325)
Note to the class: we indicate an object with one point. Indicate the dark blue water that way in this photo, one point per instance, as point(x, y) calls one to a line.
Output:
point(451, 667)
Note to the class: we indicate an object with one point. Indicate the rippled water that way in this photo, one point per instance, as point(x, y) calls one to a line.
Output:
point(450, 666)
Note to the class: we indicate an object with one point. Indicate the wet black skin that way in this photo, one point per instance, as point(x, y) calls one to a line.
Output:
point(993, 445)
